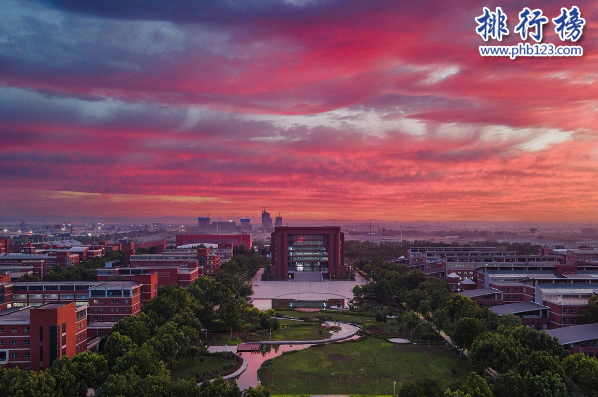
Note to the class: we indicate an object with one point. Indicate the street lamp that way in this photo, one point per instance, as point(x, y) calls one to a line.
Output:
point(394, 388)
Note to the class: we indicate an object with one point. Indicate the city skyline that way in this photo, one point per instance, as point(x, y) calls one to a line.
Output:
point(315, 109)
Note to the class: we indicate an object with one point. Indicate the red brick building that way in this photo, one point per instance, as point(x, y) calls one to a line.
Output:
point(32, 338)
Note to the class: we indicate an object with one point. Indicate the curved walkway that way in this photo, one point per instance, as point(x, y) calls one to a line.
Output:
point(347, 330)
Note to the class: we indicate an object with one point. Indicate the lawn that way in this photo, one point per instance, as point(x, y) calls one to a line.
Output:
point(187, 367)
point(289, 330)
point(367, 367)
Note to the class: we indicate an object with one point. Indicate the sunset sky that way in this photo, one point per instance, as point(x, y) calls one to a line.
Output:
point(316, 109)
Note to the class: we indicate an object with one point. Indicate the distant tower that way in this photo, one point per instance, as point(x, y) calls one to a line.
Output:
point(245, 224)
point(266, 220)
point(278, 221)
point(203, 224)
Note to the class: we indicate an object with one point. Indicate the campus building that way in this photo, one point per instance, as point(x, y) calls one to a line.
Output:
point(32, 338)
point(308, 253)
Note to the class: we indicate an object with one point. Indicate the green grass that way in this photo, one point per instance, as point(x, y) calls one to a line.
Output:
point(289, 330)
point(368, 367)
point(187, 367)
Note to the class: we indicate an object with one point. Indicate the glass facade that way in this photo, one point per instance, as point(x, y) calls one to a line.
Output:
point(307, 252)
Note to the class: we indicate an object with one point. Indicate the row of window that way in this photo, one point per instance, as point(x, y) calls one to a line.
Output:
point(112, 310)
point(101, 318)
point(14, 330)
point(573, 310)
point(14, 342)
point(112, 301)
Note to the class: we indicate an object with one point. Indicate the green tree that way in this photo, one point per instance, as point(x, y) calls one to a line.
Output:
point(62, 370)
point(91, 369)
point(259, 391)
point(533, 340)
point(510, 320)
point(221, 388)
point(466, 330)
point(539, 362)
point(589, 314)
point(476, 386)
point(28, 277)
point(508, 384)
point(143, 361)
point(583, 371)
point(545, 385)
point(116, 346)
point(135, 327)
point(496, 351)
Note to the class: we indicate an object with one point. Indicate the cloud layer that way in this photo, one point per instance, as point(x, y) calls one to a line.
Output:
point(316, 109)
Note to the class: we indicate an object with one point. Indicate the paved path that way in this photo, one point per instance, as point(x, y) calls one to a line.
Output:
point(346, 331)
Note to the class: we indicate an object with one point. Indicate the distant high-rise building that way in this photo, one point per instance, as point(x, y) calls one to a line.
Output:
point(203, 224)
point(266, 220)
point(224, 226)
point(278, 221)
point(245, 224)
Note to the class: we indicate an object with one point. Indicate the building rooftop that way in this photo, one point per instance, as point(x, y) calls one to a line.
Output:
point(479, 292)
point(575, 333)
point(593, 251)
point(579, 288)
point(514, 308)
point(20, 315)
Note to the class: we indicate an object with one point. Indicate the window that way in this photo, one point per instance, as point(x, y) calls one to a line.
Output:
point(13, 330)
point(516, 289)
point(26, 330)
point(574, 310)
point(13, 342)
point(27, 342)
point(1, 330)
point(565, 320)
point(1, 343)
point(565, 310)
point(27, 355)
point(508, 289)
point(13, 355)
point(63, 328)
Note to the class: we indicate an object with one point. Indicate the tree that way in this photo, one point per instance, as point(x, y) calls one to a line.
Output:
point(510, 320)
point(508, 384)
point(135, 327)
point(116, 346)
point(143, 361)
point(583, 371)
point(221, 388)
point(496, 351)
point(476, 386)
point(62, 370)
point(545, 385)
point(411, 319)
point(91, 369)
point(28, 277)
point(589, 314)
point(259, 391)
point(466, 330)
point(539, 362)
point(533, 340)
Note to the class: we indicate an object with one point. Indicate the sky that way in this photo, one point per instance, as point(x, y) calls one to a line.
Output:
point(315, 109)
